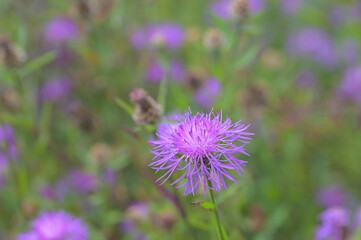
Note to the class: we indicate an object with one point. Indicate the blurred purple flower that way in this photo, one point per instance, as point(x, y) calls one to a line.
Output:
point(155, 71)
point(313, 43)
point(306, 79)
point(169, 35)
point(202, 145)
point(334, 220)
point(350, 86)
point(60, 30)
point(337, 15)
point(291, 7)
point(127, 226)
point(357, 221)
point(141, 237)
point(222, 8)
point(8, 149)
point(82, 182)
point(55, 89)
point(137, 212)
point(47, 192)
point(331, 197)
point(109, 176)
point(56, 225)
point(355, 11)
point(206, 95)
point(349, 51)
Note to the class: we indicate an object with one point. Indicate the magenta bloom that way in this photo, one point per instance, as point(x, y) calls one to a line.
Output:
point(56, 225)
point(334, 220)
point(206, 96)
point(203, 146)
point(56, 89)
point(60, 30)
point(315, 44)
point(350, 86)
point(331, 197)
point(169, 35)
point(82, 182)
point(155, 71)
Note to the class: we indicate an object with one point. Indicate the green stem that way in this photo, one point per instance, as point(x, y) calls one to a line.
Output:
point(219, 225)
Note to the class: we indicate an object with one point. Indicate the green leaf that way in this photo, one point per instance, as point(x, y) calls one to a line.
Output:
point(246, 58)
point(205, 205)
point(38, 63)
point(357, 234)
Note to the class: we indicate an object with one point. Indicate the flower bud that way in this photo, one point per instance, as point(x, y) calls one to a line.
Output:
point(196, 78)
point(10, 99)
point(239, 10)
point(147, 110)
point(10, 54)
point(213, 39)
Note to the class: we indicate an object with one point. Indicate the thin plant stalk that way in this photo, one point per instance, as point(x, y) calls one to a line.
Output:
point(216, 215)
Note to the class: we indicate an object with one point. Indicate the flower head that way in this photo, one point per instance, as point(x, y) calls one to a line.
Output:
point(56, 225)
point(334, 222)
point(169, 35)
point(350, 86)
point(206, 95)
point(60, 30)
point(331, 196)
point(56, 89)
point(203, 146)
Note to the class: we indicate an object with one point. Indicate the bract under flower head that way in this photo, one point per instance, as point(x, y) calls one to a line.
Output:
point(203, 146)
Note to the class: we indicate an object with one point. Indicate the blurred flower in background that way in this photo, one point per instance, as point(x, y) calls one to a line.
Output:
point(56, 89)
point(53, 225)
point(10, 54)
point(331, 197)
point(156, 72)
point(306, 79)
point(208, 93)
point(60, 30)
point(168, 35)
point(350, 86)
point(334, 223)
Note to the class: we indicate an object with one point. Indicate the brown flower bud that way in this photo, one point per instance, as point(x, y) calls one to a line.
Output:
point(147, 110)
point(84, 117)
point(196, 78)
point(100, 152)
point(166, 220)
point(10, 99)
point(28, 208)
point(10, 54)
point(91, 9)
point(213, 39)
point(239, 10)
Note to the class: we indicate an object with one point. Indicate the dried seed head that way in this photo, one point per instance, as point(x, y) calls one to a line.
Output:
point(84, 117)
point(83, 9)
point(213, 39)
point(10, 54)
point(91, 9)
point(195, 78)
point(166, 219)
point(254, 100)
point(10, 99)
point(239, 10)
point(147, 110)
point(100, 152)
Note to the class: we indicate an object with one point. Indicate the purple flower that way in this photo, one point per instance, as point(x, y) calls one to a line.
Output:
point(60, 30)
point(169, 35)
point(127, 226)
point(337, 15)
point(206, 95)
point(56, 89)
point(331, 197)
point(334, 220)
point(357, 221)
point(306, 79)
point(203, 145)
point(82, 182)
point(56, 225)
point(350, 86)
point(222, 8)
point(291, 7)
point(313, 43)
point(155, 71)
point(8, 149)
point(109, 176)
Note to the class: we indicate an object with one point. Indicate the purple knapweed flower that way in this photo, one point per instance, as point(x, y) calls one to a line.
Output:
point(222, 8)
point(306, 79)
point(156, 72)
point(60, 30)
point(206, 95)
point(350, 86)
point(315, 44)
point(82, 182)
point(56, 89)
point(334, 221)
point(331, 197)
point(203, 146)
point(56, 225)
point(168, 35)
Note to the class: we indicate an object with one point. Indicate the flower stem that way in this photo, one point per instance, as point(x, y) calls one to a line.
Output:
point(219, 225)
